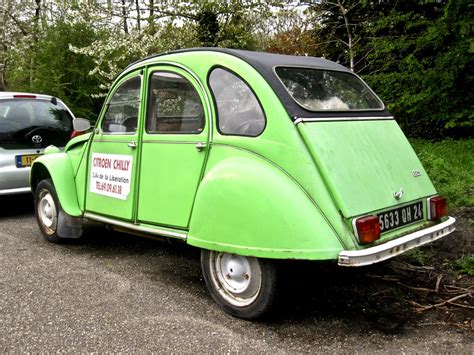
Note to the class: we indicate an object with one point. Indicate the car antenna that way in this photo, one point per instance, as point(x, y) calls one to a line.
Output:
point(54, 101)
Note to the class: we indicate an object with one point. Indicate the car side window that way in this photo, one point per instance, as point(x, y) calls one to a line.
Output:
point(174, 105)
point(122, 110)
point(238, 110)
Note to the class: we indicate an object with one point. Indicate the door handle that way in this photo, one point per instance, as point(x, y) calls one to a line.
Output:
point(200, 146)
point(132, 144)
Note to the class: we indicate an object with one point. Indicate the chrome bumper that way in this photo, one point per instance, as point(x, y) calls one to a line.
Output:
point(397, 246)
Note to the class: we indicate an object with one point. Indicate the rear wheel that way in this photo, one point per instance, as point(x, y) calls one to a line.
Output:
point(243, 286)
point(47, 209)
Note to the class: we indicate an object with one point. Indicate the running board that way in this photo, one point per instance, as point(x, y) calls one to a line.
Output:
point(137, 227)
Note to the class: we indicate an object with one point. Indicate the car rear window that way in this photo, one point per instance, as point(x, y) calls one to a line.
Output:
point(21, 119)
point(328, 90)
point(22, 113)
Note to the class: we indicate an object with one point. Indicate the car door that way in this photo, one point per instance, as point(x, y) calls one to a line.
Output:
point(174, 147)
point(114, 150)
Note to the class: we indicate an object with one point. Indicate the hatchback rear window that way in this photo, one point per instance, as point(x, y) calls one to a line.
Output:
point(19, 114)
point(327, 90)
point(21, 119)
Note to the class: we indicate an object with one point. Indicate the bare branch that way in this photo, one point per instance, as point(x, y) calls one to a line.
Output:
point(18, 23)
point(450, 301)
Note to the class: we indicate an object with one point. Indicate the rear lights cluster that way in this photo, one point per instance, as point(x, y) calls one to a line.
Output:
point(76, 134)
point(367, 228)
point(437, 207)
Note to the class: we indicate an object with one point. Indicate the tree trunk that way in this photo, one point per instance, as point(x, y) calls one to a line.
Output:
point(36, 20)
point(3, 54)
point(137, 7)
point(349, 34)
point(151, 18)
point(124, 16)
point(35, 38)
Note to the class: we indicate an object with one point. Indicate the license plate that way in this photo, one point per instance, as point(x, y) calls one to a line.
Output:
point(400, 216)
point(25, 160)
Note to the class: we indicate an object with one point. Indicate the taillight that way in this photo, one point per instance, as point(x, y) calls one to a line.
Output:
point(23, 96)
point(76, 134)
point(438, 207)
point(368, 229)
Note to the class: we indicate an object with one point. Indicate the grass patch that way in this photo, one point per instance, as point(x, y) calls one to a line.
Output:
point(417, 256)
point(450, 165)
point(465, 265)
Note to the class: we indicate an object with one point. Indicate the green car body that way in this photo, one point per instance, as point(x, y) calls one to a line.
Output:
point(290, 187)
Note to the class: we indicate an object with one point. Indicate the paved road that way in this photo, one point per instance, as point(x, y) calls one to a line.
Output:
point(114, 292)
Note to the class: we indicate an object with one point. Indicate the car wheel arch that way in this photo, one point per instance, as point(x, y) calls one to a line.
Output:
point(211, 228)
point(38, 172)
point(58, 168)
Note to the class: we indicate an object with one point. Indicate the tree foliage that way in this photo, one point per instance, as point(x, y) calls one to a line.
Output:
point(291, 30)
point(416, 54)
point(421, 64)
point(48, 66)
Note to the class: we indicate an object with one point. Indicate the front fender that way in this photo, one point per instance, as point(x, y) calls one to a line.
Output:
point(58, 167)
point(246, 205)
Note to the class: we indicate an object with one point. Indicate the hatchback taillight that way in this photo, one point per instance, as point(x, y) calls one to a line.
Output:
point(368, 229)
point(438, 207)
point(76, 134)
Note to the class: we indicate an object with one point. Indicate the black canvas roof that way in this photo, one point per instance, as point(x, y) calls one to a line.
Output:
point(271, 60)
point(265, 63)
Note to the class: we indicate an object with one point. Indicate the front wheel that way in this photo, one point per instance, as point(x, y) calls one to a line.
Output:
point(243, 286)
point(50, 215)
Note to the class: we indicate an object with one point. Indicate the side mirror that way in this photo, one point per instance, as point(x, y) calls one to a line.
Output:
point(81, 124)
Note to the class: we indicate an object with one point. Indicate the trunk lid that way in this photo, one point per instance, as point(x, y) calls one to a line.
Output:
point(365, 162)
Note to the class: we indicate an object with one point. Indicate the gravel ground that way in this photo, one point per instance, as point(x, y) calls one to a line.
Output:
point(119, 293)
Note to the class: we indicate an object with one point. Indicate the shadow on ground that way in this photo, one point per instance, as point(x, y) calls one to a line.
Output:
point(15, 205)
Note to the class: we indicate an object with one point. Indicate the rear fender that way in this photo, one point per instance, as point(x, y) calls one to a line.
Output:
point(246, 205)
point(58, 167)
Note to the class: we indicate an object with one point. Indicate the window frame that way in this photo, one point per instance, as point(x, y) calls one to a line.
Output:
point(109, 98)
point(215, 102)
point(331, 70)
point(148, 104)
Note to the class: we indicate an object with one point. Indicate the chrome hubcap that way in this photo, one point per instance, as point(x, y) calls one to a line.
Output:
point(237, 278)
point(47, 212)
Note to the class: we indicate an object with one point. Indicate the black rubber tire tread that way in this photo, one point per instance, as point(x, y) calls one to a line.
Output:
point(47, 184)
point(265, 301)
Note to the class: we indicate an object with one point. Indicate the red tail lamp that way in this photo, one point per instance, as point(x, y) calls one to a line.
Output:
point(368, 229)
point(76, 134)
point(438, 207)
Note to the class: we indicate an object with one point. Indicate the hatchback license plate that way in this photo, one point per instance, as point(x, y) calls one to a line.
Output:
point(400, 217)
point(25, 160)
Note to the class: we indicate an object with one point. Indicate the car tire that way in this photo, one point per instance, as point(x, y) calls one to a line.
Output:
point(243, 287)
point(47, 209)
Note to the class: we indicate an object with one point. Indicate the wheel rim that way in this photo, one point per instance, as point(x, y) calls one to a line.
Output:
point(47, 212)
point(237, 278)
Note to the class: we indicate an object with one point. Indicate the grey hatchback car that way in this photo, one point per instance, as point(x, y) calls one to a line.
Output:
point(28, 124)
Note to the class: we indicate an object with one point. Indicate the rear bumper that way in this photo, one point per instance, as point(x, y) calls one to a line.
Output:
point(14, 179)
point(20, 190)
point(397, 246)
